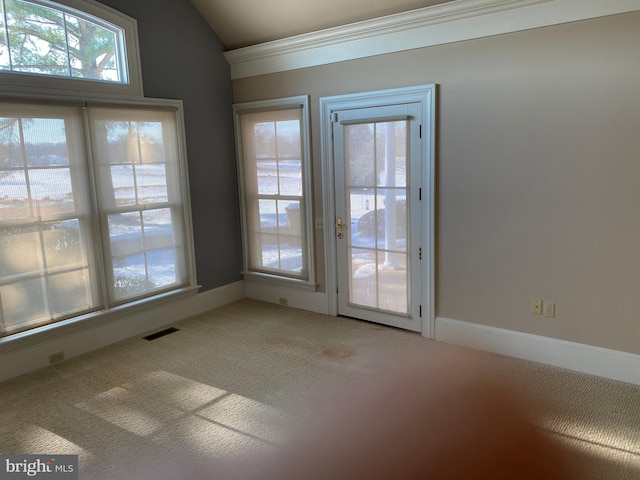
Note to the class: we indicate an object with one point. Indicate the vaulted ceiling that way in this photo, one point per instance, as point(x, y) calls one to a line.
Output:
point(240, 23)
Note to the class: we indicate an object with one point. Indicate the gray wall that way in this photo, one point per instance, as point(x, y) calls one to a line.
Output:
point(182, 58)
point(538, 172)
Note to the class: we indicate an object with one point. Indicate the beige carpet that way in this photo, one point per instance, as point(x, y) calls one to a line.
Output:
point(226, 384)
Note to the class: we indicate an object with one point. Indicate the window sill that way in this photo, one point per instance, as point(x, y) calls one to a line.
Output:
point(90, 320)
point(280, 281)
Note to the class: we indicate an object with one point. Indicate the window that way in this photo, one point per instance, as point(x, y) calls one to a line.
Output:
point(73, 50)
point(273, 149)
point(82, 233)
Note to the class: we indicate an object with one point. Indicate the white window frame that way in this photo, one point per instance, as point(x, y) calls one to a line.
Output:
point(36, 84)
point(302, 101)
point(124, 309)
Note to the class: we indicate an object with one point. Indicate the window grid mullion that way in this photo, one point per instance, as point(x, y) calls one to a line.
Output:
point(6, 31)
point(66, 42)
point(97, 226)
point(25, 167)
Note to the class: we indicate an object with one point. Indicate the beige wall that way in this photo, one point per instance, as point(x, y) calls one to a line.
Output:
point(538, 172)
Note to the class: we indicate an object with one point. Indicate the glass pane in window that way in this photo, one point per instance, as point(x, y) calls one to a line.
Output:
point(264, 140)
point(290, 254)
point(37, 40)
point(23, 304)
point(162, 267)
point(62, 244)
point(119, 179)
point(267, 173)
point(45, 142)
point(130, 276)
point(92, 50)
point(294, 224)
point(10, 143)
point(51, 191)
point(288, 139)
point(269, 252)
point(69, 292)
point(14, 200)
point(158, 228)
point(268, 216)
point(147, 142)
point(111, 137)
point(19, 251)
point(290, 177)
point(125, 233)
point(152, 183)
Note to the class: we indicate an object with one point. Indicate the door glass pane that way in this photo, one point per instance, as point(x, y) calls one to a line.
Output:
point(391, 218)
point(393, 282)
point(391, 161)
point(360, 148)
point(377, 216)
point(362, 208)
point(363, 288)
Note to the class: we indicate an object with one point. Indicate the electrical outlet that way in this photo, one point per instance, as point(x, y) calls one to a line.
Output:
point(284, 301)
point(549, 309)
point(319, 223)
point(536, 307)
point(56, 357)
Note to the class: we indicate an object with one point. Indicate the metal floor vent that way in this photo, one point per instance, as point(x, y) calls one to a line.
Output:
point(161, 333)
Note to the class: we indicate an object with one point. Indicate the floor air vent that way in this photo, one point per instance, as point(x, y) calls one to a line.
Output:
point(161, 333)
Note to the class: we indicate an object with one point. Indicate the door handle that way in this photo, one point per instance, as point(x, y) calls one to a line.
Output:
point(339, 226)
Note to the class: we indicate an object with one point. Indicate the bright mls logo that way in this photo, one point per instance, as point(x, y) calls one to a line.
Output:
point(52, 467)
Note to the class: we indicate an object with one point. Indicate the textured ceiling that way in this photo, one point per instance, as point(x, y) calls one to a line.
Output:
point(240, 23)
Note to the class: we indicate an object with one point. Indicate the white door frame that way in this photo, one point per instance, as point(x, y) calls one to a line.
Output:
point(425, 95)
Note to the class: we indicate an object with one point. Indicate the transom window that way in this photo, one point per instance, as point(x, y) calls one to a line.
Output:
point(71, 48)
point(48, 39)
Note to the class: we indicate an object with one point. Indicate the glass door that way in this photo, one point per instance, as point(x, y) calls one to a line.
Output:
point(378, 221)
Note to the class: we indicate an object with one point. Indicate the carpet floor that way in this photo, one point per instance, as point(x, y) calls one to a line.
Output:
point(229, 382)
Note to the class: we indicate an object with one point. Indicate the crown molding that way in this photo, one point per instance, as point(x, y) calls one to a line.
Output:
point(437, 25)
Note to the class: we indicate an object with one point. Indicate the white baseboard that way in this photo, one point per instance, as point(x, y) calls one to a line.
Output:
point(295, 297)
point(83, 340)
point(603, 362)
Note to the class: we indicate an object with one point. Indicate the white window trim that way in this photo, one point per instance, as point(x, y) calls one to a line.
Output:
point(30, 84)
point(310, 283)
point(90, 320)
